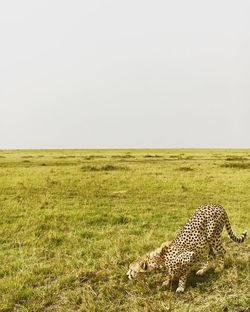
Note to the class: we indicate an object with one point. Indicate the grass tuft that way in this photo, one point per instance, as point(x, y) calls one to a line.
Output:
point(120, 220)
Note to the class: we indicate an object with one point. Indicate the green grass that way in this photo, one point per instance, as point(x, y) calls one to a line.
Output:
point(73, 220)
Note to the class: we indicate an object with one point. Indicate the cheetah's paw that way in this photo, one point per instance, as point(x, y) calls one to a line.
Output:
point(180, 289)
point(166, 283)
point(200, 272)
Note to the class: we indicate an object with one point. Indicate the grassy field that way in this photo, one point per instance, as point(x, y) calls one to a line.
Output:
point(73, 220)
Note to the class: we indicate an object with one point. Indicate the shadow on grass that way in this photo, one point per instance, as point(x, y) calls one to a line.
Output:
point(194, 280)
point(154, 281)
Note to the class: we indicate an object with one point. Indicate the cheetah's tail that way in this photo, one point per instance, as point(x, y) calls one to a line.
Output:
point(239, 239)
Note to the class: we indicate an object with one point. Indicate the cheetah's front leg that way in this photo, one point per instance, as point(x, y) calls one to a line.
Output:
point(182, 283)
point(185, 261)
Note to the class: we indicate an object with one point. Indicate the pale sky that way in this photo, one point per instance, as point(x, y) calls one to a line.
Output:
point(118, 74)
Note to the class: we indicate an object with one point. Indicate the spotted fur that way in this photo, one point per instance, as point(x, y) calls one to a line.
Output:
point(201, 233)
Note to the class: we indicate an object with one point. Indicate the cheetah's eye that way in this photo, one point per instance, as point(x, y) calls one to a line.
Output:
point(144, 265)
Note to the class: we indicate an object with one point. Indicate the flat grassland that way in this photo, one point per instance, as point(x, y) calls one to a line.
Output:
point(73, 220)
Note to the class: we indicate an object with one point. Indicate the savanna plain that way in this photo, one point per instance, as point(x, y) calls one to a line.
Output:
point(73, 220)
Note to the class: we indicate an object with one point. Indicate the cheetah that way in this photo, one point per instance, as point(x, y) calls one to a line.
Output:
point(200, 234)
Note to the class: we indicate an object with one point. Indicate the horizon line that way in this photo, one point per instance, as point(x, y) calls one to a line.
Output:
point(125, 148)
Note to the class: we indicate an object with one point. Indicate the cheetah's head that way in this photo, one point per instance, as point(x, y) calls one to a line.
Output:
point(141, 265)
point(150, 262)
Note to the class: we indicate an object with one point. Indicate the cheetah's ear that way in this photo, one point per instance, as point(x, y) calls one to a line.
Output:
point(144, 265)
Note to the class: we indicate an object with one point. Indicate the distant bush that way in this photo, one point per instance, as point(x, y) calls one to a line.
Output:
point(188, 157)
point(235, 158)
point(111, 167)
point(106, 167)
point(65, 156)
point(185, 169)
point(123, 156)
point(128, 156)
point(237, 165)
point(97, 156)
point(153, 156)
point(181, 157)
point(89, 157)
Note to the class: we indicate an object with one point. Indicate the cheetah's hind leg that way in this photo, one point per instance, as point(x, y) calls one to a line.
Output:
point(220, 254)
point(209, 264)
